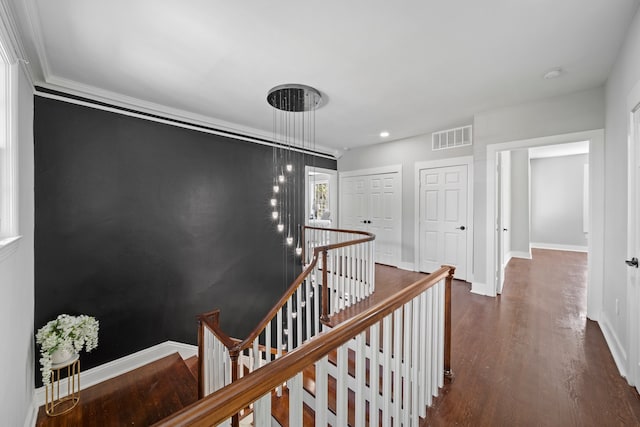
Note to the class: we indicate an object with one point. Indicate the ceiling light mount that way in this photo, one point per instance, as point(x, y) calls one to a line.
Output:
point(294, 98)
point(553, 73)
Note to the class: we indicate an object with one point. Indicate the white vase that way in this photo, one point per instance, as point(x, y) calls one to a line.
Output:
point(61, 355)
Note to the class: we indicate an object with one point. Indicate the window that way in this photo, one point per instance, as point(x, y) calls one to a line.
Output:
point(8, 152)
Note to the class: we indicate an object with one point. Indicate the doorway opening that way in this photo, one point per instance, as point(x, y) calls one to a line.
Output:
point(542, 199)
point(594, 213)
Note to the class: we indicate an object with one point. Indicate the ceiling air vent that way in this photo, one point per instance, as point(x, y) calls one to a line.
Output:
point(451, 138)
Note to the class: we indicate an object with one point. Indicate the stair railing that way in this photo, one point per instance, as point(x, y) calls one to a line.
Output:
point(406, 339)
point(338, 266)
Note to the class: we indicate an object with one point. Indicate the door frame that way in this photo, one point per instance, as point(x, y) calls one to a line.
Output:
point(633, 242)
point(377, 171)
point(595, 264)
point(434, 164)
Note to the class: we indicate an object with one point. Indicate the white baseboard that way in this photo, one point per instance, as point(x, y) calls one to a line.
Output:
point(521, 254)
point(559, 247)
point(616, 349)
point(407, 266)
point(482, 289)
point(117, 367)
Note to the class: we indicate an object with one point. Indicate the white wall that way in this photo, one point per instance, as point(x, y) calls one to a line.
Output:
point(557, 202)
point(520, 222)
point(624, 76)
point(405, 152)
point(17, 283)
point(565, 114)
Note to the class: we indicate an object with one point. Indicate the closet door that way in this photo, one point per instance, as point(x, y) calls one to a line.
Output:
point(374, 203)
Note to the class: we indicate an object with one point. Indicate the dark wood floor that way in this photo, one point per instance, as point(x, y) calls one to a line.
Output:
point(137, 398)
point(530, 357)
point(527, 358)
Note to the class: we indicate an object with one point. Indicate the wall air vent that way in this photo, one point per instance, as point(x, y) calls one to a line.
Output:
point(452, 138)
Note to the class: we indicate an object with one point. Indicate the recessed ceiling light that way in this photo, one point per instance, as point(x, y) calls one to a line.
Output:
point(384, 134)
point(553, 73)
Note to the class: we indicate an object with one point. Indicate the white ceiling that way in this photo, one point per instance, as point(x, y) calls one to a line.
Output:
point(409, 67)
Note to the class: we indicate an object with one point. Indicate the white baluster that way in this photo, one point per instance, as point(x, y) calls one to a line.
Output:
point(294, 384)
point(424, 338)
point(434, 341)
point(407, 334)
point(279, 344)
point(289, 333)
point(321, 401)
point(415, 361)
point(342, 394)
point(262, 411)
point(267, 343)
point(374, 374)
point(387, 349)
point(299, 317)
point(361, 373)
point(397, 365)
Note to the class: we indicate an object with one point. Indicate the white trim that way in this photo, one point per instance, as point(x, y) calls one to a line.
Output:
point(9, 159)
point(633, 208)
point(125, 364)
point(521, 254)
point(8, 246)
point(559, 247)
point(616, 348)
point(430, 164)
point(200, 127)
point(372, 171)
point(32, 413)
point(595, 266)
point(482, 289)
point(406, 266)
point(333, 195)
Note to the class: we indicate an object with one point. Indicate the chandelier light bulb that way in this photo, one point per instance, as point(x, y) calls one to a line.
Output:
point(276, 189)
point(274, 214)
point(280, 227)
point(289, 240)
point(273, 202)
point(289, 168)
point(280, 178)
point(298, 251)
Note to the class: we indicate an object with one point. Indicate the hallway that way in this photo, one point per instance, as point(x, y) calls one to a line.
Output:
point(530, 357)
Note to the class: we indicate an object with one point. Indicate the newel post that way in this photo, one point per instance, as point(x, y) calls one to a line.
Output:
point(325, 289)
point(448, 373)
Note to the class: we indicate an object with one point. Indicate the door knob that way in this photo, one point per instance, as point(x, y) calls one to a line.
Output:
point(462, 227)
point(633, 262)
point(505, 229)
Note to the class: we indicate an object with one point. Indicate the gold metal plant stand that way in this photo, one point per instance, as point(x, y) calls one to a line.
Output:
point(54, 404)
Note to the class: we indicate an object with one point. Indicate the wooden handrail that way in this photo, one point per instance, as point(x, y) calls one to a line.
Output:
point(247, 342)
point(226, 402)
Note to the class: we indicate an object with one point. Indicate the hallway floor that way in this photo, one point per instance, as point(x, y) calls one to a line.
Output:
point(531, 357)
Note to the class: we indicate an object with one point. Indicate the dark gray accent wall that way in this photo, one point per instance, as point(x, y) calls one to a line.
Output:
point(145, 225)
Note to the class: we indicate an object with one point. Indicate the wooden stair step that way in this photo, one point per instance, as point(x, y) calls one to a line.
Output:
point(192, 364)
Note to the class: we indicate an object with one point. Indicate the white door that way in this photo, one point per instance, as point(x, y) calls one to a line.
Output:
point(373, 203)
point(503, 209)
point(633, 274)
point(443, 219)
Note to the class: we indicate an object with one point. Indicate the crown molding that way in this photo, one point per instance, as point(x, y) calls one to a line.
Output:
point(13, 51)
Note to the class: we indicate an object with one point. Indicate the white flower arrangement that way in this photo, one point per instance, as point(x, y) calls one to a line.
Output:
point(70, 333)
